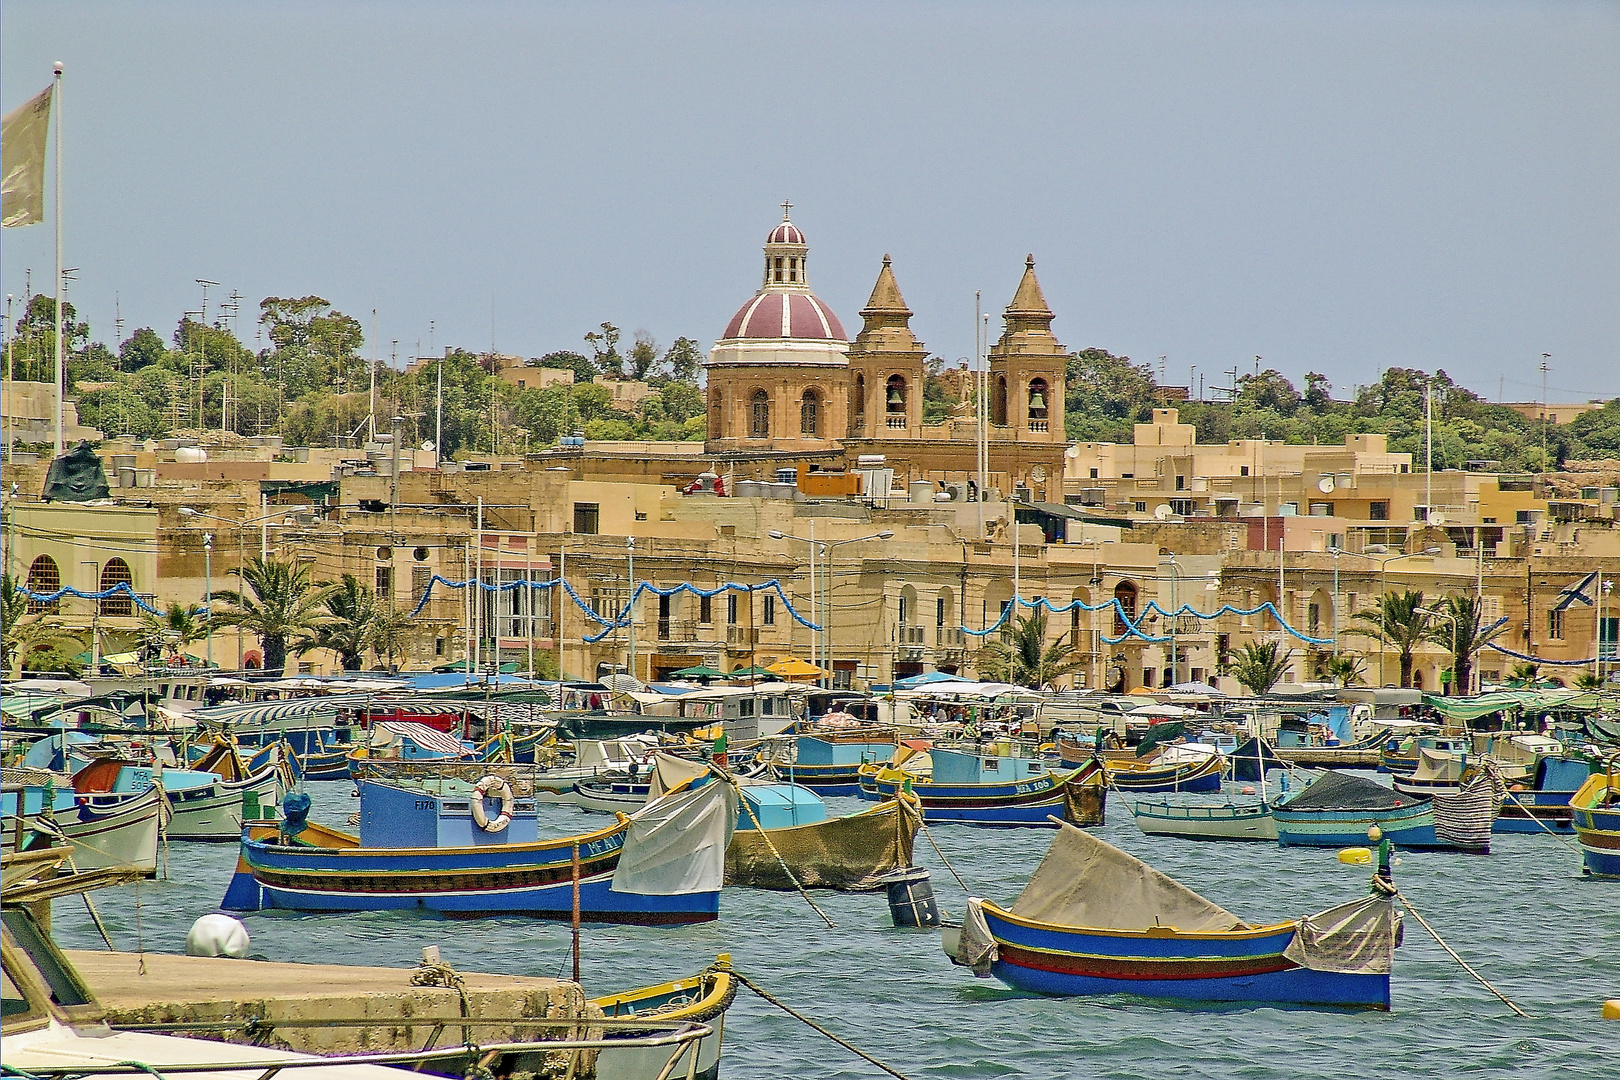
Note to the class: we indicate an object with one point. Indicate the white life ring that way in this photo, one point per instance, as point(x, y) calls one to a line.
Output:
point(482, 790)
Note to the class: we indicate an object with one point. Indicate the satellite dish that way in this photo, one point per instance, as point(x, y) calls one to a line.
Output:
point(1436, 519)
point(427, 445)
point(1325, 485)
point(1162, 512)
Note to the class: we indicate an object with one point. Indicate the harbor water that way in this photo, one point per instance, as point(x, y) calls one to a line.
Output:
point(1523, 917)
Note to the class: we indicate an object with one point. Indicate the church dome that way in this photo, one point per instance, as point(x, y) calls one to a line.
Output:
point(785, 233)
point(785, 309)
point(773, 314)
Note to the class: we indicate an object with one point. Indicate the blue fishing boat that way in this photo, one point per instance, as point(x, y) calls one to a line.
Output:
point(1545, 807)
point(986, 789)
point(1096, 920)
point(1401, 756)
point(1336, 810)
point(829, 762)
point(454, 855)
point(1597, 822)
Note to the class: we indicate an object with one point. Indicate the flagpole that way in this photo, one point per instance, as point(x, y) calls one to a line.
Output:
point(61, 382)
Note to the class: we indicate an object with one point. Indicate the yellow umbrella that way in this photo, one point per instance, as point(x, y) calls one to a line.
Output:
point(793, 668)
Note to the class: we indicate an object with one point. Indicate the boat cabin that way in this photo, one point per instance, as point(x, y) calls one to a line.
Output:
point(959, 767)
point(856, 747)
point(779, 806)
point(400, 817)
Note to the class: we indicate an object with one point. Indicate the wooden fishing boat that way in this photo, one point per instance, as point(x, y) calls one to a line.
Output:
point(1096, 920)
point(702, 999)
point(204, 804)
point(1401, 756)
point(829, 762)
point(121, 831)
point(1596, 809)
point(785, 824)
point(1337, 809)
point(1177, 768)
point(1545, 806)
point(447, 853)
point(978, 789)
point(1193, 821)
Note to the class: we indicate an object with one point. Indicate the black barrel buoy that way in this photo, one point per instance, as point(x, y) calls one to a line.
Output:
point(911, 897)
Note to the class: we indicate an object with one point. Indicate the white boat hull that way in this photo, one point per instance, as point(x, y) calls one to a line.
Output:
point(216, 812)
point(124, 832)
point(1193, 822)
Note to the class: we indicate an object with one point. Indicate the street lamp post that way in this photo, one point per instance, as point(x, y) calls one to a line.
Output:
point(1383, 589)
point(1436, 614)
point(826, 547)
point(1175, 581)
point(263, 521)
point(208, 598)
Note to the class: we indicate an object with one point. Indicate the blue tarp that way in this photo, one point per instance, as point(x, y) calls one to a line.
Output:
point(927, 677)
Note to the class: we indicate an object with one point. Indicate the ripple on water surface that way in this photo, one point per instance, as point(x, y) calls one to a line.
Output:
point(1522, 917)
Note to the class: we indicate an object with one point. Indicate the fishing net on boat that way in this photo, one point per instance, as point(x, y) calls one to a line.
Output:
point(1084, 881)
point(837, 853)
point(1357, 938)
point(1466, 818)
point(1341, 791)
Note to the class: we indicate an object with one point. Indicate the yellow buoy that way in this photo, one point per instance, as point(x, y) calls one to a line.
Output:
point(1611, 1009)
point(1355, 856)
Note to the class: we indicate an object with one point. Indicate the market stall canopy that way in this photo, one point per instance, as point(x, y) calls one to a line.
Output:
point(697, 671)
point(927, 678)
point(794, 668)
point(1196, 688)
point(750, 673)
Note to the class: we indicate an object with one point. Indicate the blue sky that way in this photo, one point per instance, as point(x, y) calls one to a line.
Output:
point(1335, 187)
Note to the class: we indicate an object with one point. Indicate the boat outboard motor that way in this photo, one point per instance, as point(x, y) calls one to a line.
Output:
point(294, 814)
point(911, 896)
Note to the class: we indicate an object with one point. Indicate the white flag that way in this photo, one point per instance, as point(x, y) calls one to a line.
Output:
point(22, 146)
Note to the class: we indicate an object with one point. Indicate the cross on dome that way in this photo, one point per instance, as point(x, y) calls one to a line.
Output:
point(786, 206)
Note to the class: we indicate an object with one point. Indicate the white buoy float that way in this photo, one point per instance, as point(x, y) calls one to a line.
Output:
point(217, 935)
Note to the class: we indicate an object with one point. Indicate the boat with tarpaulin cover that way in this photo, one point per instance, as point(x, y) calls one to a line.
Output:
point(1336, 810)
point(1096, 920)
point(457, 855)
point(955, 786)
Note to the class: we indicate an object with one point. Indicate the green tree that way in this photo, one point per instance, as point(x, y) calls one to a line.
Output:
point(1259, 665)
point(1398, 622)
point(1105, 395)
point(1463, 634)
point(582, 367)
point(644, 356)
point(280, 605)
point(389, 633)
point(1346, 669)
point(32, 641)
point(605, 349)
point(1024, 657)
point(353, 607)
point(175, 629)
point(682, 362)
point(680, 401)
point(141, 349)
point(1269, 391)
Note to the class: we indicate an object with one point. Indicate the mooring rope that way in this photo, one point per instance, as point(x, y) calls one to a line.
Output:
point(1532, 816)
point(922, 823)
point(1390, 888)
point(803, 1019)
point(735, 786)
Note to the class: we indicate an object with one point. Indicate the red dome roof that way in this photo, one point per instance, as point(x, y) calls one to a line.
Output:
point(785, 315)
point(785, 233)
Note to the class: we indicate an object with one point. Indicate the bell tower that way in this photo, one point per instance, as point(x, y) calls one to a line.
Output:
point(887, 367)
point(1028, 367)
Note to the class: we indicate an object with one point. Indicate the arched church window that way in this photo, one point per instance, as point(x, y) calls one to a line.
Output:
point(759, 426)
point(809, 413)
point(779, 268)
point(998, 402)
point(860, 395)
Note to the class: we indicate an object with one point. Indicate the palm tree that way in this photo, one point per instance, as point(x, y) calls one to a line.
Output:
point(1525, 673)
point(1465, 637)
point(353, 607)
point(388, 633)
point(177, 627)
point(281, 606)
point(1398, 622)
point(1345, 669)
point(1022, 656)
point(1588, 680)
point(1259, 665)
point(25, 634)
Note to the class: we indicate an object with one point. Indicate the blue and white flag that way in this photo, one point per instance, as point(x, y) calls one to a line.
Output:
point(1579, 593)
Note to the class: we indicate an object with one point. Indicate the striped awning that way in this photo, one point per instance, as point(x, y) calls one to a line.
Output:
point(428, 738)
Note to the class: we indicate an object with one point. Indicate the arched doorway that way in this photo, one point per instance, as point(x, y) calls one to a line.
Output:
point(115, 573)
point(1126, 593)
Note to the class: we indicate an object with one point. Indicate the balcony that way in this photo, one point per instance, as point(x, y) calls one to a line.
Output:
point(897, 422)
point(1037, 427)
point(742, 638)
point(910, 635)
point(950, 637)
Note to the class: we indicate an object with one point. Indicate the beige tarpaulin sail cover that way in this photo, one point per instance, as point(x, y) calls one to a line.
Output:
point(1085, 882)
point(677, 844)
point(670, 772)
point(1358, 938)
point(1437, 765)
point(838, 853)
